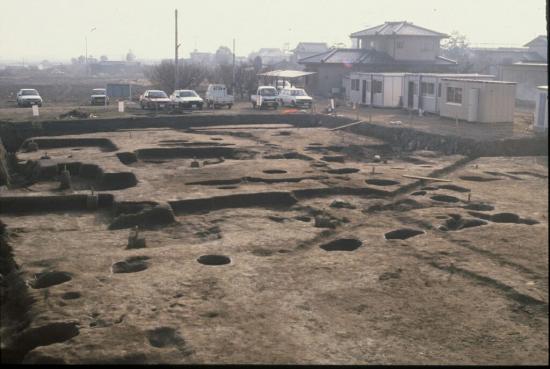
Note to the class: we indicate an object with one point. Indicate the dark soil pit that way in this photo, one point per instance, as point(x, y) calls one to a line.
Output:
point(303, 218)
point(334, 158)
point(506, 218)
point(274, 171)
point(478, 179)
point(127, 158)
point(48, 279)
point(402, 234)
point(72, 295)
point(498, 174)
point(480, 215)
point(131, 265)
point(288, 155)
point(382, 182)
point(456, 223)
point(529, 221)
point(419, 193)
point(479, 207)
point(214, 260)
point(455, 188)
point(536, 175)
point(343, 171)
point(445, 198)
point(262, 252)
point(164, 336)
point(344, 244)
point(429, 188)
point(283, 133)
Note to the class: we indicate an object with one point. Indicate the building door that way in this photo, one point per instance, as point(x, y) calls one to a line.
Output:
point(410, 98)
point(364, 92)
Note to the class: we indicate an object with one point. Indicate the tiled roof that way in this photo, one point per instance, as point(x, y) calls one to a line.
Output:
point(399, 29)
point(538, 41)
point(312, 46)
point(364, 56)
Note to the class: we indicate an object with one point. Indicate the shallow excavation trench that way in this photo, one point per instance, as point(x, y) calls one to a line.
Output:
point(15, 302)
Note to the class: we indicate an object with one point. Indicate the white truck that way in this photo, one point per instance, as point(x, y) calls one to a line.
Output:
point(266, 96)
point(216, 95)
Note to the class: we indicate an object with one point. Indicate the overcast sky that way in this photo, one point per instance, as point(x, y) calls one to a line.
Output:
point(56, 29)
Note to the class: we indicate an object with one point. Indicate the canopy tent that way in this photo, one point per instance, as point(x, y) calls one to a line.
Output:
point(286, 74)
point(283, 75)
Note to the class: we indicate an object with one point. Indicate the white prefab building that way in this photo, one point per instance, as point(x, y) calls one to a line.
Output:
point(423, 90)
point(376, 89)
point(541, 109)
point(408, 90)
point(477, 100)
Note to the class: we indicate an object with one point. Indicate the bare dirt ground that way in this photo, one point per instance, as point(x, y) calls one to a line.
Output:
point(324, 255)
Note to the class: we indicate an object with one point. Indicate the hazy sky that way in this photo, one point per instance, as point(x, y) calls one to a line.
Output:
point(56, 29)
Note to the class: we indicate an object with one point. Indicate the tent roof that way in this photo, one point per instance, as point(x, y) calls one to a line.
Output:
point(286, 73)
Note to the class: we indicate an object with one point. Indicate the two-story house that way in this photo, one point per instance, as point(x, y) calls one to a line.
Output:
point(389, 47)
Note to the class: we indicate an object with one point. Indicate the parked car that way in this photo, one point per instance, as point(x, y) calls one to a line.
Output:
point(186, 99)
point(28, 97)
point(296, 97)
point(99, 97)
point(266, 96)
point(154, 99)
point(216, 95)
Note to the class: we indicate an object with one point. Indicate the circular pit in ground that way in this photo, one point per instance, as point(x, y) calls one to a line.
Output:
point(402, 234)
point(343, 244)
point(214, 260)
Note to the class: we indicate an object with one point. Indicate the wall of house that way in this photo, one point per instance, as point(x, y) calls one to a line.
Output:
point(528, 77)
point(417, 48)
point(328, 76)
point(414, 48)
point(541, 110)
point(495, 103)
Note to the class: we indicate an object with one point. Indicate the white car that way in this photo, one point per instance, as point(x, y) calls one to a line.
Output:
point(186, 99)
point(216, 95)
point(28, 97)
point(154, 99)
point(266, 96)
point(296, 97)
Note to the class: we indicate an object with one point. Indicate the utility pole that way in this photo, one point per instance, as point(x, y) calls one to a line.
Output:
point(233, 80)
point(176, 76)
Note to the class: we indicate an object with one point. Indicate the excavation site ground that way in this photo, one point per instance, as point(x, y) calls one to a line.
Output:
point(271, 239)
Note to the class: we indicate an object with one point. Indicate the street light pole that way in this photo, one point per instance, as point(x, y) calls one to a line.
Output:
point(233, 80)
point(86, 43)
point(176, 76)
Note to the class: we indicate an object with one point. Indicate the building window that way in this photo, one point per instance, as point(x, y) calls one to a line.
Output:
point(376, 86)
point(399, 44)
point(355, 85)
point(454, 95)
point(439, 90)
point(427, 89)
